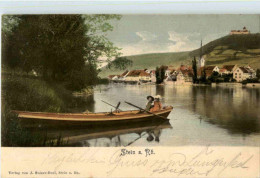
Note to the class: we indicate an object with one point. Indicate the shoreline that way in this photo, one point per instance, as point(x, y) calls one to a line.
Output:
point(224, 84)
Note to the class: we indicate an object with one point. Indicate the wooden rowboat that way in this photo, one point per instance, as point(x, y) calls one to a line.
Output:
point(72, 119)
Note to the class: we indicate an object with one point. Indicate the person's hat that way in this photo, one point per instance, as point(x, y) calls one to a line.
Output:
point(158, 97)
point(150, 97)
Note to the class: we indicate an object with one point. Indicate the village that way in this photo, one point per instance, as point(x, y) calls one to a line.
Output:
point(198, 73)
point(184, 75)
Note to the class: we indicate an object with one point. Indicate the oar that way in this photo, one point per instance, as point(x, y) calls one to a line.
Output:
point(145, 110)
point(112, 105)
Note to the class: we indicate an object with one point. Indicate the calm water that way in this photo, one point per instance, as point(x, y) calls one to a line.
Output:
point(202, 115)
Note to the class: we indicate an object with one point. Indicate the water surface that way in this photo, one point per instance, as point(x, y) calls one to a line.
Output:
point(202, 115)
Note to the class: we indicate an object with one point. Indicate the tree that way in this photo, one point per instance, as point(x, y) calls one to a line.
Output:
point(63, 48)
point(203, 76)
point(258, 74)
point(215, 77)
point(160, 74)
point(120, 63)
point(194, 68)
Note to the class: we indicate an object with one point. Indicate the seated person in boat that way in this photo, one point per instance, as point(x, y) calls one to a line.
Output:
point(157, 105)
point(149, 103)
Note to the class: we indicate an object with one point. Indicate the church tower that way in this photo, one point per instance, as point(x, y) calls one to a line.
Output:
point(201, 58)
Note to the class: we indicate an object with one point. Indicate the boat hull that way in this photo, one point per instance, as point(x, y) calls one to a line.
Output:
point(67, 121)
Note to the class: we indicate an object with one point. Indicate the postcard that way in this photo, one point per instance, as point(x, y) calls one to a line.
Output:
point(118, 95)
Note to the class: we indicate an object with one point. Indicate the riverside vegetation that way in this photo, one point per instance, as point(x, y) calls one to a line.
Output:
point(45, 58)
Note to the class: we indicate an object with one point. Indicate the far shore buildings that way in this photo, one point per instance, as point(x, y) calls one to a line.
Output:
point(184, 74)
point(243, 73)
point(239, 32)
point(227, 69)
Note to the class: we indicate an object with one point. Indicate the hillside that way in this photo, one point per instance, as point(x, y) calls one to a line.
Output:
point(230, 49)
point(150, 61)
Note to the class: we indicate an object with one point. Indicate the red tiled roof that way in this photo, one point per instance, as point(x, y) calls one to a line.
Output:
point(144, 74)
point(222, 70)
point(208, 72)
point(187, 72)
point(210, 67)
point(123, 74)
point(244, 69)
point(111, 76)
point(183, 67)
point(136, 73)
point(228, 67)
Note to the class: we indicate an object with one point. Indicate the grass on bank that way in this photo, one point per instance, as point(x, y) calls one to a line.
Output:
point(29, 93)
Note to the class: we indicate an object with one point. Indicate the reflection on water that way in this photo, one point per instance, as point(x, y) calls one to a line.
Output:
point(118, 135)
point(235, 109)
point(202, 115)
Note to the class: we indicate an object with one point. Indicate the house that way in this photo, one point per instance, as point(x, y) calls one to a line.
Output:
point(123, 75)
point(170, 74)
point(212, 68)
point(209, 70)
point(138, 75)
point(240, 74)
point(144, 76)
point(113, 77)
point(110, 77)
point(184, 75)
point(153, 76)
point(239, 32)
point(169, 70)
point(227, 69)
point(252, 72)
point(243, 73)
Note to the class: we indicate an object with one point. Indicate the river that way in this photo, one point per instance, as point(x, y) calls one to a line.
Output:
point(201, 115)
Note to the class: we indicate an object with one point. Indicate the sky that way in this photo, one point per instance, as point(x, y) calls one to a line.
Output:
point(140, 34)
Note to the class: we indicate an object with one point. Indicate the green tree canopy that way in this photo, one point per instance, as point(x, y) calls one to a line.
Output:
point(63, 48)
point(120, 63)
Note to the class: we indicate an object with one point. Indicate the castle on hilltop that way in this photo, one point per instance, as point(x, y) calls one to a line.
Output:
point(239, 32)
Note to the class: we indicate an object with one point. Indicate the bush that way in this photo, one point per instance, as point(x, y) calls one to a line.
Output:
point(103, 81)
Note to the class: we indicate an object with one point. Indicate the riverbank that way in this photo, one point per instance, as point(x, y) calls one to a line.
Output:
point(30, 93)
point(222, 84)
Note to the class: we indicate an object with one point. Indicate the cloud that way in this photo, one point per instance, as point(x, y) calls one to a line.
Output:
point(146, 36)
point(153, 43)
point(183, 41)
point(170, 41)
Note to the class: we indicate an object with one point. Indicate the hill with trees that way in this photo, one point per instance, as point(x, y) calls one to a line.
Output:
point(230, 49)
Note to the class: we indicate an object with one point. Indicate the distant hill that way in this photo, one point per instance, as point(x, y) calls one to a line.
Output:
point(230, 49)
point(150, 61)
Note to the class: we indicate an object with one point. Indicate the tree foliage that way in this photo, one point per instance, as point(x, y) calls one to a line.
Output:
point(258, 74)
point(63, 48)
point(160, 74)
point(120, 63)
point(194, 68)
